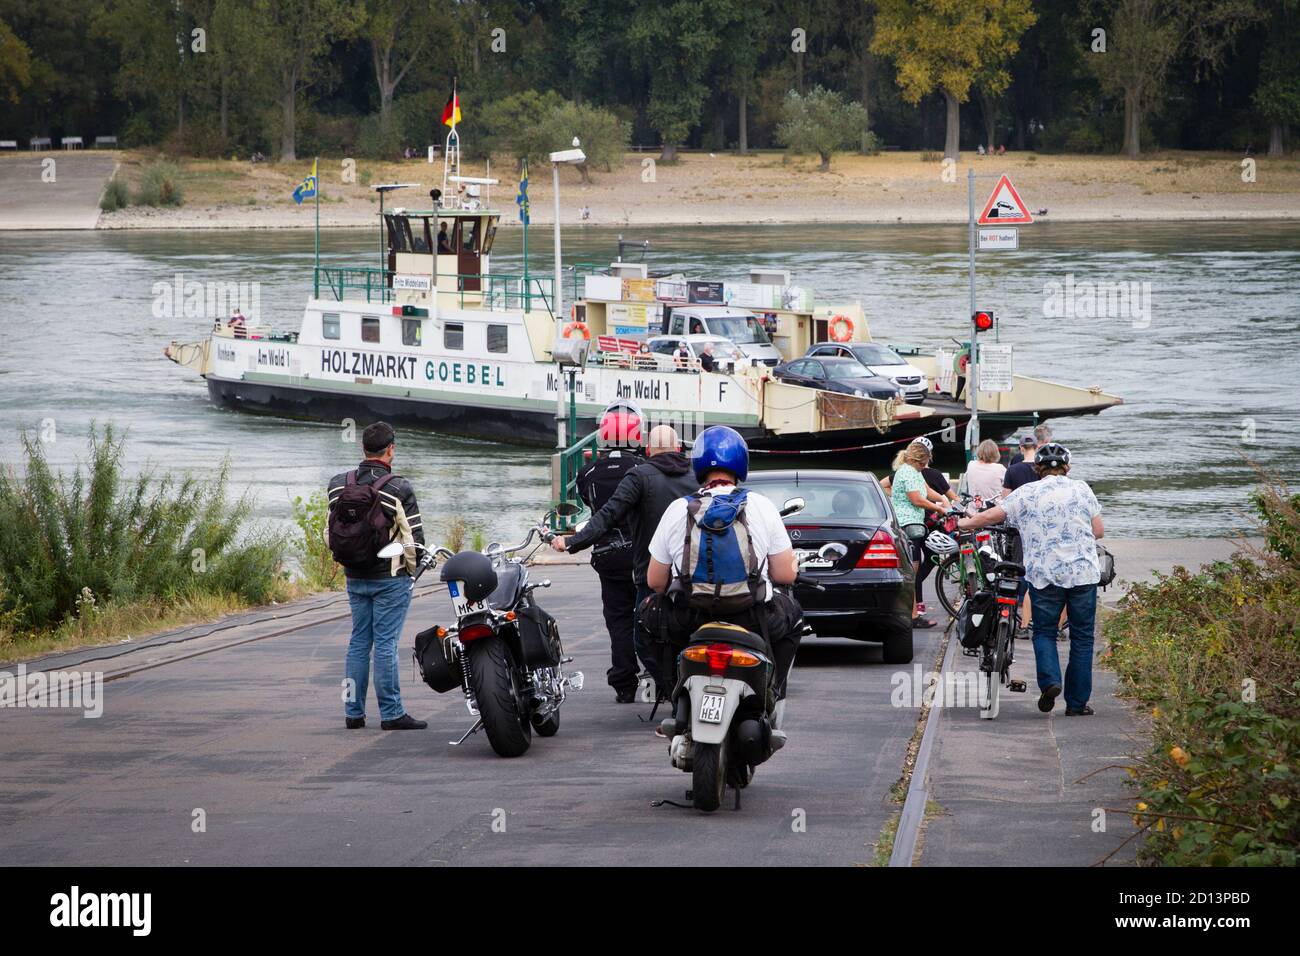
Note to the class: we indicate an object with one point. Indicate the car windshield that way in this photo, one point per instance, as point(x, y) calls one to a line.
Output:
point(741, 329)
point(877, 355)
point(837, 370)
point(829, 499)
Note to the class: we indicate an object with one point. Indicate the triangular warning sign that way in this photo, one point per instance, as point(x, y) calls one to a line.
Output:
point(1005, 207)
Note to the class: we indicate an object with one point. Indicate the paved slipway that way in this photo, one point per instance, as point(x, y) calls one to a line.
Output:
point(71, 201)
point(245, 723)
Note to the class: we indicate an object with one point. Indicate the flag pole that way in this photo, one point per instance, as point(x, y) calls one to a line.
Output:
point(528, 299)
point(316, 176)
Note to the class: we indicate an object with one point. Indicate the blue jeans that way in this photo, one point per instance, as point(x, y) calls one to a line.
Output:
point(378, 613)
point(1080, 603)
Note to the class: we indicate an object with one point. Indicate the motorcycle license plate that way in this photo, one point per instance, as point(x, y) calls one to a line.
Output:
point(711, 706)
point(459, 604)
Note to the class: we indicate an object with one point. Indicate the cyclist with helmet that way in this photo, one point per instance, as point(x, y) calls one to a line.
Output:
point(612, 554)
point(1059, 522)
point(720, 459)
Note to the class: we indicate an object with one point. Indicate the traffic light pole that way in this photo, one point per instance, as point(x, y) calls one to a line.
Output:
point(972, 379)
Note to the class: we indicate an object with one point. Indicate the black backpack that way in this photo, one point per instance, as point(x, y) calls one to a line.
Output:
point(358, 524)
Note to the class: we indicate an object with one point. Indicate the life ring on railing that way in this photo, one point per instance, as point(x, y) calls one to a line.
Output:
point(960, 361)
point(841, 328)
point(580, 327)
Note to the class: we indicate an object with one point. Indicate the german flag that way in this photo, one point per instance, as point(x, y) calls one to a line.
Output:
point(451, 112)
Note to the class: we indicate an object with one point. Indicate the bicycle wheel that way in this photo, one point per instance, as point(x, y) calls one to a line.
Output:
point(993, 670)
point(950, 583)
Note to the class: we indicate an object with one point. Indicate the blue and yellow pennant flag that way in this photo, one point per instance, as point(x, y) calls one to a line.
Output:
point(522, 198)
point(307, 188)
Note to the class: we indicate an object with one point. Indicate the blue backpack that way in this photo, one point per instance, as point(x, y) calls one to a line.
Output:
point(720, 573)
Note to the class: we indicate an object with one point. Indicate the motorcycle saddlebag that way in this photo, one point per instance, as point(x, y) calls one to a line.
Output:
point(432, 661)
point(538, 637)
point(976, 619)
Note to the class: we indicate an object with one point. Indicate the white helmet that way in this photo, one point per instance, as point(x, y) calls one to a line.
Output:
point(940, 543)
point(922, 440)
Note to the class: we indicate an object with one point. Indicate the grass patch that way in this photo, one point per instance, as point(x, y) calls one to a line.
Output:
point(160, 185)
point(1215, 656)
point(116, 196)
point(86, 554)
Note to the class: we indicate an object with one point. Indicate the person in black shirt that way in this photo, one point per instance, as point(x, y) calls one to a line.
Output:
point(707, 361)
point(1021, 472)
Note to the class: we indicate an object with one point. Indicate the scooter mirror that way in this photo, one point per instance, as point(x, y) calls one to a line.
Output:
point(792, 506)
point(391, 550)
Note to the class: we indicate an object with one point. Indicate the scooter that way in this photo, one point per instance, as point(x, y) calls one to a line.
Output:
point(726, 720)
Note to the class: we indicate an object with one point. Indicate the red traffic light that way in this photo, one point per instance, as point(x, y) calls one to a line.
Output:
point(983, 321)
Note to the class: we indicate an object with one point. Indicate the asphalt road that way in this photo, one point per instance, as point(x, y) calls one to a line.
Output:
point(253, 736)
point(29, 200)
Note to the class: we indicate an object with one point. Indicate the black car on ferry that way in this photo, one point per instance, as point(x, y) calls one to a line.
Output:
point(868, 592)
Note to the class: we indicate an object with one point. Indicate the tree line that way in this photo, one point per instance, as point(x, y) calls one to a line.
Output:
point(370, 77)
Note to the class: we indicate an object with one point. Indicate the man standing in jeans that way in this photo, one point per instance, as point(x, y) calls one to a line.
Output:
point(379, 589)
point(1059, 522)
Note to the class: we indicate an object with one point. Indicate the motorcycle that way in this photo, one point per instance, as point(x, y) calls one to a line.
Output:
point(725, 719)
point(504, 651)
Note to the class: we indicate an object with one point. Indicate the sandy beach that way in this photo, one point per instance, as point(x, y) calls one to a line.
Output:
point(725, 189)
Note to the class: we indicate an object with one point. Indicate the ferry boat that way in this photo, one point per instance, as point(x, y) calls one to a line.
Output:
point(435, 338)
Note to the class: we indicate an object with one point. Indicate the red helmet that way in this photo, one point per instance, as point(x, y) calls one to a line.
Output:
point(620, 425)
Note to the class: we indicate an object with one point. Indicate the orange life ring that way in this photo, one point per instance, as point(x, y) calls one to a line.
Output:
point(578, 327)
point(841, 328)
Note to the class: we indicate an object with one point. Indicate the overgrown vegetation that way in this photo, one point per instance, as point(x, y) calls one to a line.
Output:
point(160, 185)
point(116, 196)
point(1215, 655)
point(319, 569)
point(92, 545)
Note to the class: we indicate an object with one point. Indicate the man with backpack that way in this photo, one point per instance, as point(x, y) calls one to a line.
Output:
point(718, 553)
point(368, 508)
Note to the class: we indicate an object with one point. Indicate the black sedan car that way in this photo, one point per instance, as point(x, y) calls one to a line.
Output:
point(835, 374)
point(869, 592)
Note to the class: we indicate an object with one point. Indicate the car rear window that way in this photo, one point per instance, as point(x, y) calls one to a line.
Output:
point(831, 499)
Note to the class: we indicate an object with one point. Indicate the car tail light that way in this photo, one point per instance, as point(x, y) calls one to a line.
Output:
point(720, 656)
point(476, 631)
point(880, 552)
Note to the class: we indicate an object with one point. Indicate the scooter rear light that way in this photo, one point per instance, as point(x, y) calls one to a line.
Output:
point(880, 552)
point(719, 657)
point(475, 631)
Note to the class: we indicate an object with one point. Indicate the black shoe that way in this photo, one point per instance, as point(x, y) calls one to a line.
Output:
point(1084, 711)
point(625, 696)
point(1047, 700)
point(355, 723)
point(405, 722)
point(922, 623)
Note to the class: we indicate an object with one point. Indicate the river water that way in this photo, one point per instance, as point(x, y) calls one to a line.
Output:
point(1208, 374)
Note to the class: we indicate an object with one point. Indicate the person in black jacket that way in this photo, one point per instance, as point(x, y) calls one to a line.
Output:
point(611, 558)
point(379, 593)
point(638, 503)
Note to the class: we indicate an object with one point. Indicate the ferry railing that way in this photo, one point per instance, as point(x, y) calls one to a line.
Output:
point(500, 291)
point(374, 283)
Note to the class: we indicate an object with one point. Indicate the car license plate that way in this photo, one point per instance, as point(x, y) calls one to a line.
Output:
point(711, 706)
point(459, 604)
point(812, 560)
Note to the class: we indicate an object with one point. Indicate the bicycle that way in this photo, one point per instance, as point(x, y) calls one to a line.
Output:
point(998, 652)
point(961, 572)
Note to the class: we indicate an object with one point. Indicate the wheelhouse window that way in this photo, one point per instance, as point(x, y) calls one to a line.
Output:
point(453, 336)
point(329, 323)
point(498, 338)
point(412, 331)
point(370, 328)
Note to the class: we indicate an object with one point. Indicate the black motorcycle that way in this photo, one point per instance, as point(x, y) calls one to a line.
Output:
point(504, 651)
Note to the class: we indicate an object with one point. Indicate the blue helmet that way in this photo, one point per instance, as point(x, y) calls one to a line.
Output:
point(720, 447)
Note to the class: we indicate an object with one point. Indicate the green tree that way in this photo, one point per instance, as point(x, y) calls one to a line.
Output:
point(397, 32)
point(298, 33)
point(532, 125)
point(1278, 95)
point(15, 64)
point(947, 46)
point(821, 122)
point(603, 135)
point(1143, 39)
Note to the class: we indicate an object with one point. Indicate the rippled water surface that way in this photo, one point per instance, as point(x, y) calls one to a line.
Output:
point(1210, 379)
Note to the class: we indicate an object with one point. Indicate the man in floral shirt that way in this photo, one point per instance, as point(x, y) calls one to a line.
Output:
point(1059, 522)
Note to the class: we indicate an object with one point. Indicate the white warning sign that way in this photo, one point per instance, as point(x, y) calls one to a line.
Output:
point(1005, 207)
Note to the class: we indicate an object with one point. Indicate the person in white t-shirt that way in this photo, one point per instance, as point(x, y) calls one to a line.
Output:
point(984, 475)
point(721, 461)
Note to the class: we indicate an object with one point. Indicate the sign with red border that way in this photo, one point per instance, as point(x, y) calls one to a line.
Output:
point(1005, 207)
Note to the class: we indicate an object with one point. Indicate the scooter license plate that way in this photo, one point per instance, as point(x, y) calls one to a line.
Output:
point(711, 707)
point(459, 604)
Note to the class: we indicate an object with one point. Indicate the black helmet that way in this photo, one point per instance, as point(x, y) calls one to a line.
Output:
point(1052, 455)
point(475, 570)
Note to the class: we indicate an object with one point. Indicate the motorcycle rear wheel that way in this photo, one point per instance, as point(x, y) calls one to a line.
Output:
point(492, 678)
point(708, 776)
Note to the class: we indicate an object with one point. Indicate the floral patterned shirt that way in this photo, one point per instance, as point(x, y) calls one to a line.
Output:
point(1054, 518)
